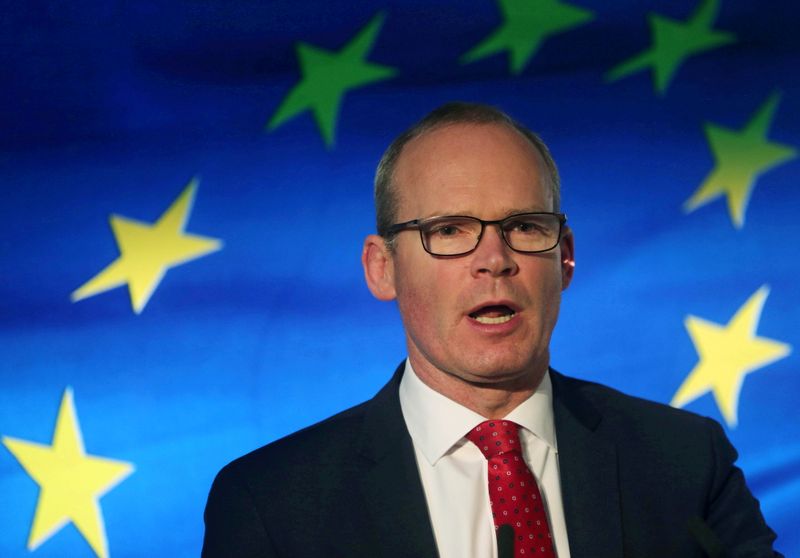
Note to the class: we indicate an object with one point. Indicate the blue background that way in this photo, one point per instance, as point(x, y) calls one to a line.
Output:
point(112, 107)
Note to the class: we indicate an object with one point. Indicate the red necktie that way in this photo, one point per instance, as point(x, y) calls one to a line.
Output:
point(513, 492)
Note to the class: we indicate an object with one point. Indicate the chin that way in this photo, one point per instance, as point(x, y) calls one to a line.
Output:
point(499, 373)
point(506, 364)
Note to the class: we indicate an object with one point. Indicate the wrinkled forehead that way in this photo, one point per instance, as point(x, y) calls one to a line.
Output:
point(476, 158)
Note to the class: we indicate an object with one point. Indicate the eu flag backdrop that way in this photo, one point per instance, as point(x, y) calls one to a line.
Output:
point(186, 186)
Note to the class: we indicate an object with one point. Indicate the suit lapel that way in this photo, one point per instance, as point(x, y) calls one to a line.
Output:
point(394, 499)
point(391, 488)
point(589, 482)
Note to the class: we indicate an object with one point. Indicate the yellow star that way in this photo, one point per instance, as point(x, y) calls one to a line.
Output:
point(741, 156)
point(727, 353)
point(70, 481)
point(148, 251)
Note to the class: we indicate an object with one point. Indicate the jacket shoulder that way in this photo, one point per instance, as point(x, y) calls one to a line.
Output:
point(329, 440)
point(594, 401)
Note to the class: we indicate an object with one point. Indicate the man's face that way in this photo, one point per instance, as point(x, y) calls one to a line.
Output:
point(450, 306)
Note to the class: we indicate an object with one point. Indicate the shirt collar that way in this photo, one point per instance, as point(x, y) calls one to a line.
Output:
point(535, 414)
point(437, 424)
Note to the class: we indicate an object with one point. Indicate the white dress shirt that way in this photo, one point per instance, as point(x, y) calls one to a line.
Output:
point(454, 471)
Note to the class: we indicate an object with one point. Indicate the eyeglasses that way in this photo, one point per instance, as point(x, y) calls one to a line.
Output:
point(458, 235)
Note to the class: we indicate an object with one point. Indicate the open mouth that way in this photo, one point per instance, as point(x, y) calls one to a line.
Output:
point(492, 315)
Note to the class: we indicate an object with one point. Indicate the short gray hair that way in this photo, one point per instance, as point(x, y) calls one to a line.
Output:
point(386, 199)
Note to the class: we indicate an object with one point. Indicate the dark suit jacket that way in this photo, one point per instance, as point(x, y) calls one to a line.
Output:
point(639, 479)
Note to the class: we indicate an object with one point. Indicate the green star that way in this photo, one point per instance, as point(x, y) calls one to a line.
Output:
point(327, 76)
point(526, 25)
point(673, 42)
point(741, 156)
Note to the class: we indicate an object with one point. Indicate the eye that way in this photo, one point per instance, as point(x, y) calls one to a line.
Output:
point(445, 230)
point(524, 226)
point(449, 228)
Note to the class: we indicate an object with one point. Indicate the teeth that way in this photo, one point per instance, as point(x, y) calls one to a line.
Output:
point(497, 320)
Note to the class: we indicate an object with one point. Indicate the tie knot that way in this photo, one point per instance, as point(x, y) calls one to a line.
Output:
point(495, 437)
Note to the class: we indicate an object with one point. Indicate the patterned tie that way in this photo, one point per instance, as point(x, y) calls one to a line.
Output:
point(513, 493)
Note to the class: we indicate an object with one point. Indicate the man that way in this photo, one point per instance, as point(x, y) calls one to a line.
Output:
point(473, 248)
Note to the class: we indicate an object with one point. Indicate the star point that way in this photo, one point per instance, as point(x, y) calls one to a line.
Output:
point(70, 481)
point(741, 157)
point(727, 354)
point(526, 25)
point(673, 42)
point(147, 251)
point(327, 76)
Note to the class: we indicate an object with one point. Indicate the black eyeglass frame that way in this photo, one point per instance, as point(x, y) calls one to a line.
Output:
point(419, 223)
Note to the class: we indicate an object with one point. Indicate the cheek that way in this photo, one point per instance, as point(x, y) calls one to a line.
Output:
point(427, 303)
point(553, 300)
point(544, 290)
point(417, 304)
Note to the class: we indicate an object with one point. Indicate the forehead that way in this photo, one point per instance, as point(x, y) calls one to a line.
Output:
point(480, 169)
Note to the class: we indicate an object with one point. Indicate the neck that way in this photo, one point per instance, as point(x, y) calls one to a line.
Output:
point(491, 400)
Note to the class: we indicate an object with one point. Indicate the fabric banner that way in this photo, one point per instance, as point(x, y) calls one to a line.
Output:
point(187, 185)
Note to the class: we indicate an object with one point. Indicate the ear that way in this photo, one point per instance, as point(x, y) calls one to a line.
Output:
point(378, 268)
point(567, 258)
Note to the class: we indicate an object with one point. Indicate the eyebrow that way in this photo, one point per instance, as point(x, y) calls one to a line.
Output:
point(504, 214)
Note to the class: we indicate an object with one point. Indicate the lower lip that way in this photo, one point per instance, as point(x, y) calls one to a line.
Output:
point(500, 328)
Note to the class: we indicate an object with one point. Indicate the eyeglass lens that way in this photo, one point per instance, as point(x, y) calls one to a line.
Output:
point(449, 236)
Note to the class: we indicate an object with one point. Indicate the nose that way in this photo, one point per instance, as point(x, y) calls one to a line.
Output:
point(493, 256)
